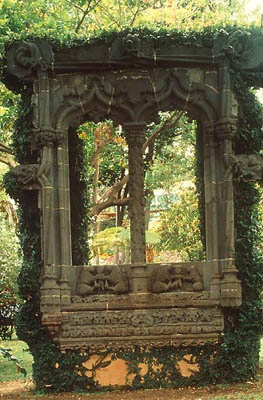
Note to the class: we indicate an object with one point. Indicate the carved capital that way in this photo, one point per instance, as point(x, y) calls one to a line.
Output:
point(135, 132)
point(226, 128)
point(47, 137)
point(27, 57)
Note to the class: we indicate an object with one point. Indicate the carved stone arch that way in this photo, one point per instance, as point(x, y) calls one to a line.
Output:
point(190, 89)
point(123, 97)
point(82, 98)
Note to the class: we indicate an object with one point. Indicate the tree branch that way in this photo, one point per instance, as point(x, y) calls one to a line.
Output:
point(6, 162)
point(99, 207)
point(111, 16)
point(167, 124)
point(5, 149)
point(76, 6)
point(109, 198)
point(86, 12)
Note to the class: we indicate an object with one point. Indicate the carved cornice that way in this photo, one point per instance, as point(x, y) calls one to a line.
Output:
point(242, 49)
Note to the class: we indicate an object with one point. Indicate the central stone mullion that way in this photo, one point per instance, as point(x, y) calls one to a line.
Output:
point(135, 136)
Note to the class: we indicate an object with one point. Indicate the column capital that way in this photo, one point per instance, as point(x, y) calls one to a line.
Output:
point(134, 129)
point(47, 137)
point(226, 128)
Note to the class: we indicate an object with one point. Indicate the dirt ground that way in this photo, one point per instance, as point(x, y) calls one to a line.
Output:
point(24, 390)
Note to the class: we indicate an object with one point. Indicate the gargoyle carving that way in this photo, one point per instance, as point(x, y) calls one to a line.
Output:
point(246, 166)
point(101, 280)
point(132, 45)
point(29, 56)
point(170, 278)
point(27, 175)
point(242, 49)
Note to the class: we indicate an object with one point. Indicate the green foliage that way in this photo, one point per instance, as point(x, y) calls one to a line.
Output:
point(19, 350)
point(180, 227)
point(6, 354)
point(10, 263)
point(80, 182)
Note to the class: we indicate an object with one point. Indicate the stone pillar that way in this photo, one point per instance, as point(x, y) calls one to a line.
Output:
point(230, 285)
point(211, 208)
point(63, 210)
point(135, 139)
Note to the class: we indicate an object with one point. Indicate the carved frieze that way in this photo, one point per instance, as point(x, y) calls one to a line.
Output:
point(143, 342)
point(101, 280)
point(172, 298)
point(133, 325)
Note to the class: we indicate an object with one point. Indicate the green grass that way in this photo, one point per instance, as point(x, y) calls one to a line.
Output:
point(18, 349)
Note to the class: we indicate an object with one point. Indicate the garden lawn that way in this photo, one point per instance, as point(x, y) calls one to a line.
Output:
point(19, 349)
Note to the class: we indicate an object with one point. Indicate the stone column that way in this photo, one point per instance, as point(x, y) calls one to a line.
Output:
point(211, 208)
point(135, 138)
point(230, 285)
point(50, 289)
point(63, 210)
